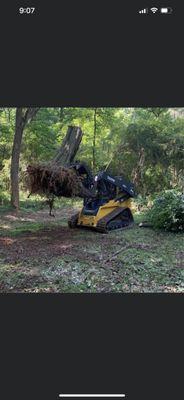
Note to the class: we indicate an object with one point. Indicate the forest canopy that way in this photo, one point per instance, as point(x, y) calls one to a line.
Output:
point(143, 144)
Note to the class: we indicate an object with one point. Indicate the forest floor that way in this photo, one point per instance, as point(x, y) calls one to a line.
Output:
point(39, 253)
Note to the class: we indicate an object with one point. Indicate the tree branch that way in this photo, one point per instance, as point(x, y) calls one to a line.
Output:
point(29, 114)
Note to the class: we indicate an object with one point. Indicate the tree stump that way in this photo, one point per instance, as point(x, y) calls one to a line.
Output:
point(69, 147)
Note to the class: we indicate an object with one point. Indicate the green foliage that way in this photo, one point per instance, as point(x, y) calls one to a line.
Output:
point(4, 198)
point(151, 150)
point(141, 203)
point(143, 144)
point(167, 211)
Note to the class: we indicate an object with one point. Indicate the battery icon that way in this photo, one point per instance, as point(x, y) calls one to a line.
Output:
point(166, 10)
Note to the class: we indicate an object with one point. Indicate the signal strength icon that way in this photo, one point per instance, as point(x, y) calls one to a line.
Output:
point(144, 11)
point(154, 9)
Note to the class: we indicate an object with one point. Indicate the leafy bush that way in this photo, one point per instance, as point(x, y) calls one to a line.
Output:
point(167, 211)
point(141, 203)
point(4, 197)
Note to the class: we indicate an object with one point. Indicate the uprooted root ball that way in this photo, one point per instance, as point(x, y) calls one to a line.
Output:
point(54, 180)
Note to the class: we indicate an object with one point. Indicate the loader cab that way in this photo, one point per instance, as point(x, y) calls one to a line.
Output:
point(91, 206)
point(107, 189)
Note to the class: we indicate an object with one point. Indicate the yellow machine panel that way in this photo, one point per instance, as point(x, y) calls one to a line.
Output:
point(106, 209)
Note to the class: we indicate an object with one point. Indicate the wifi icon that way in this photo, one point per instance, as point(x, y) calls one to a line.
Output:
point(154, 9)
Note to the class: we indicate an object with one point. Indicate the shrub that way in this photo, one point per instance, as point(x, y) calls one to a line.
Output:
point(140, 203)
point(4, 197)
point(167, 211)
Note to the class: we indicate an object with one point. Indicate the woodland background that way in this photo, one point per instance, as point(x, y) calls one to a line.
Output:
point(39, 253)
point(145, 145)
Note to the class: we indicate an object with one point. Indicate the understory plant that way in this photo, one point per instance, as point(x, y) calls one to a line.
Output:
point(167, 211)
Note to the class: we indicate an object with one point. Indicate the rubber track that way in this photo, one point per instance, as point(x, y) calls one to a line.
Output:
point(72, 222)
point(102, 223)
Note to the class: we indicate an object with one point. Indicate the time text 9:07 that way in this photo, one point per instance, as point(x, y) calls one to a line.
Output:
point(26, 10)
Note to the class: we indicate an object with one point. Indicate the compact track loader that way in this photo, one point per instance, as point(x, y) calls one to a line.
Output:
point(109, 205)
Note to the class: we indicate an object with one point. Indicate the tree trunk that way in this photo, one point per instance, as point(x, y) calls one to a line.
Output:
point(15, 159)
point(23, 116)
point(94, 139)
point(69, 146)
point(138, 171)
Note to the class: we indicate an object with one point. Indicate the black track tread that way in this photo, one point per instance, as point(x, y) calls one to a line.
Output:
point(72, 222)
point(102, 223)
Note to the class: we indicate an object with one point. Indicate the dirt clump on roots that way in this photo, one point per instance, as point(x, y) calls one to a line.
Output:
point(55, 180)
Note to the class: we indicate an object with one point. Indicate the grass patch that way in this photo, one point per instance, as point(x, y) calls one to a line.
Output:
point(45, 256)
point(36, 202)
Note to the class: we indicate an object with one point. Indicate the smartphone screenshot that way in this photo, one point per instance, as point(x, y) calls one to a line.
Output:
point(91, 200)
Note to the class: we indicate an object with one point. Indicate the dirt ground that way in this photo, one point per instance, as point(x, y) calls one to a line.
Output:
point(39, 253)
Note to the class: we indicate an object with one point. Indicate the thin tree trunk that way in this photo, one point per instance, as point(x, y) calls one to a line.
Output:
point(23, 116)
point(15, 159)
point(94, 139)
